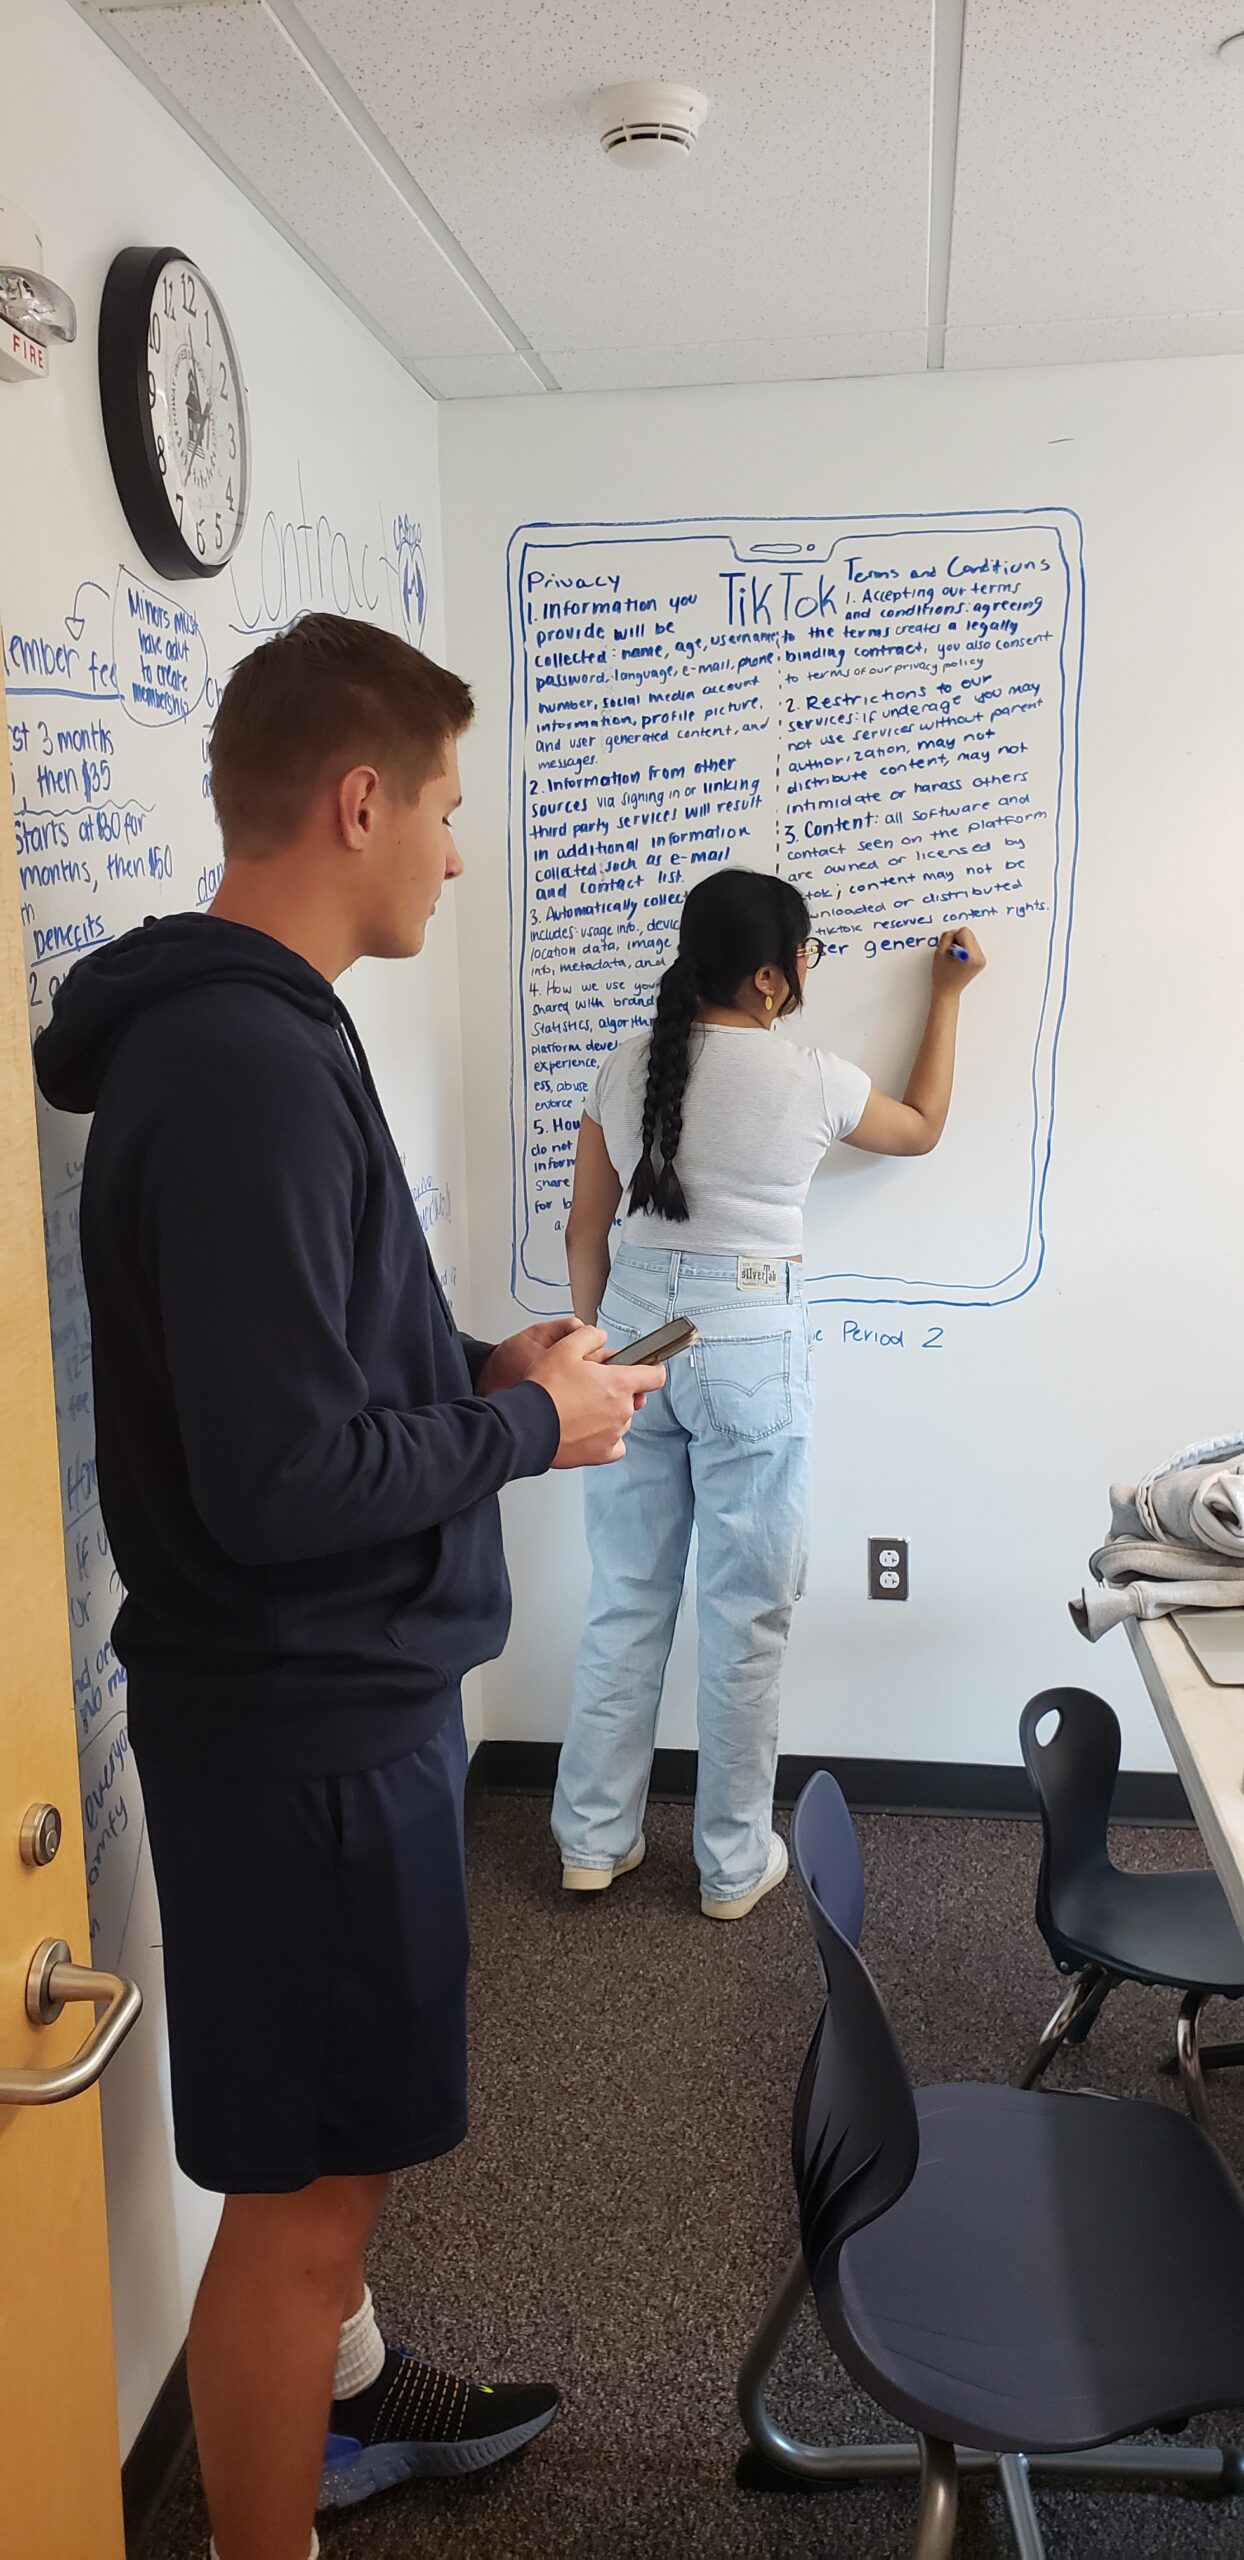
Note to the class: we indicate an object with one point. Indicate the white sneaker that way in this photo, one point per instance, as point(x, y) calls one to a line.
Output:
point(599, 1879)
point(775, 1869)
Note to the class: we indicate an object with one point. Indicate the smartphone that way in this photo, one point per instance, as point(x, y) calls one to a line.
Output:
point(653, 1348)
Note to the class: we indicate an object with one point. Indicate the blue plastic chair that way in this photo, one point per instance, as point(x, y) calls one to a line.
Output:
point(1016, 2277)
point(1104, 1926)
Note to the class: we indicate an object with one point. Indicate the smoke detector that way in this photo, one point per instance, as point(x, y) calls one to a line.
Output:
point(651, 124)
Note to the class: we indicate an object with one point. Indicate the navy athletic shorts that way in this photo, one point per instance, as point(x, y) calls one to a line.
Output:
point(315, 1959)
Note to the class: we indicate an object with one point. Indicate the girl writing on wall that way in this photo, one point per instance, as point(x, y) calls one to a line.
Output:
point(715, 1132)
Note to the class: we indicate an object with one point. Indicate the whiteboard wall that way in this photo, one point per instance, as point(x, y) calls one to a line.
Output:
point(112, 676)
point(1074, 1234)
point(884, 712)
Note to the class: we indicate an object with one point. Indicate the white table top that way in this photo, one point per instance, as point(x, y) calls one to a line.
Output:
point(1204, 1726)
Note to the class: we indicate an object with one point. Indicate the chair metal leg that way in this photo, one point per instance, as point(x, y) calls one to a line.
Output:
point(1013, 2474)
point(1209, 2466)
point(1214, 2057)
point(1187, 2047)
point(786, 2454)
point(1086, 1993)
point(1086, 2018)
point(781, 2313)
point(1222, 2057)
point(939, 2500)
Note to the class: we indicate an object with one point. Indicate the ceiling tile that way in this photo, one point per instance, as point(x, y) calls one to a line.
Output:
point(802, 212)
point(1100, 151)
point(236, 72)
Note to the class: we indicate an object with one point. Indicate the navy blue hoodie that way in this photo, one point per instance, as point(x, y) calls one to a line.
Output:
point(296, 1474)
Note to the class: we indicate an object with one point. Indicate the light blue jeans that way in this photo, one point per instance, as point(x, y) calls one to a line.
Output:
point(726, 1448)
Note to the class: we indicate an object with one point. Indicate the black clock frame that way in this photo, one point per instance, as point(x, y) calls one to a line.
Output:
point(129, 431)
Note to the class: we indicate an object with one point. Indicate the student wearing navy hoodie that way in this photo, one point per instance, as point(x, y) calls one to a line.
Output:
point(299, 1461)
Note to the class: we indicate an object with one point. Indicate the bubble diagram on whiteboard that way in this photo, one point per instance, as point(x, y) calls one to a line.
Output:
point(413, 584)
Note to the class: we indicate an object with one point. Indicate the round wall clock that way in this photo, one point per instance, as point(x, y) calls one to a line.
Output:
point(174, 406)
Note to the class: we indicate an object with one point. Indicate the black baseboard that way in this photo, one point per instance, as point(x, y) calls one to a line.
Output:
point(476, 1782)
point(870, 1786)
point(155, 2458)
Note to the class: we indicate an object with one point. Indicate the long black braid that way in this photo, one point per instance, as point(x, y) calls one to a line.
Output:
point(653, 1187)
point(733, 923)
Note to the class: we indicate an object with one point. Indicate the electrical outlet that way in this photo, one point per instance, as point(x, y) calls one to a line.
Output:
point(887, 1568)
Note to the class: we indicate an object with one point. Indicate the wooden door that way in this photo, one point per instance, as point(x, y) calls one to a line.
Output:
point(60, 2491)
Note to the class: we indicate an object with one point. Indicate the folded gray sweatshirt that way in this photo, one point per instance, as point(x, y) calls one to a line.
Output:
point(1176, 1541)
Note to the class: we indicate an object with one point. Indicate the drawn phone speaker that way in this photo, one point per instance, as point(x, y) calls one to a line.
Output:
point(885, 710)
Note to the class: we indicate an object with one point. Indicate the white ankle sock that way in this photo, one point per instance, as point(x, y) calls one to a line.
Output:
point(313, 2554)
point(360, 2350)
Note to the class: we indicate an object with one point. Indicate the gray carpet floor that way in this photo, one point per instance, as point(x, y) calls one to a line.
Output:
point(623, 2204)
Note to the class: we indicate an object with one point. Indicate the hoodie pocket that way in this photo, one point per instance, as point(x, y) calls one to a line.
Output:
point(459, 1614)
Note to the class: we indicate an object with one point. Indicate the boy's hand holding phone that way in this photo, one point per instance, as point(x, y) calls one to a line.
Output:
point(596, 1398)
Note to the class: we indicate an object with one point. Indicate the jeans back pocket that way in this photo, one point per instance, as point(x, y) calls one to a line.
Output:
point(745, 1383)
point(621, 1320)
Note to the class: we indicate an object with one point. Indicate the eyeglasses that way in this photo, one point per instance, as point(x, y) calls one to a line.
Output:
point(814, 951)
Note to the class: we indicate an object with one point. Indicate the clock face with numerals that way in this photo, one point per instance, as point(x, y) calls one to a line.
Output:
point(174, 406)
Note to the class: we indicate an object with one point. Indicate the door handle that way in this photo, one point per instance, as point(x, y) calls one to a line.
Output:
point(53, 1980)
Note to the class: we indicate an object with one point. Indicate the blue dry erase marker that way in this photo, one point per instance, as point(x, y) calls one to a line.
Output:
point(957, 952)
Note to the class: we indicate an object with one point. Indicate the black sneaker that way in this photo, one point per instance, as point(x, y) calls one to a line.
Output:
point(415, 2422)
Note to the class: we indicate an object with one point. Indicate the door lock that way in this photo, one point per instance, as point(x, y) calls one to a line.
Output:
point(40, 1835)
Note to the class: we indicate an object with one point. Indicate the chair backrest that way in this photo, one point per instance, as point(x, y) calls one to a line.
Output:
point(854, 2143)
point(1073, 1771)
point(826, 1857)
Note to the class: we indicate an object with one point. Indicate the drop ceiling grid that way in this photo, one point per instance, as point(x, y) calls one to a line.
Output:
point(1005, 343)
point(478, 377)
point(234, 70)
point(803, 214)
point(759, 360)
point(1101, 151)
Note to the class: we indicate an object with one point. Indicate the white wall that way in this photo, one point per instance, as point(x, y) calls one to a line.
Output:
point(993, 1457)
point(343, 442)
